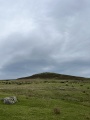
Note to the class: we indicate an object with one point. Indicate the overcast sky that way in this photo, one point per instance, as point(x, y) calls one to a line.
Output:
point(44, 36)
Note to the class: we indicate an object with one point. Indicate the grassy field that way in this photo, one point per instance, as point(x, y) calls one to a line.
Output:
point(39, 98)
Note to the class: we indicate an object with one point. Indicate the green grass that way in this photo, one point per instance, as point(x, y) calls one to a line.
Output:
point(38, 98)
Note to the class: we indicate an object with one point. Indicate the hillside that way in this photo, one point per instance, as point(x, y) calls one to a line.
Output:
point(46, 99)
point(48, 75)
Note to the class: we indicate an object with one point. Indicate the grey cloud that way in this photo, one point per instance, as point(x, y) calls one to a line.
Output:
point(38, 36)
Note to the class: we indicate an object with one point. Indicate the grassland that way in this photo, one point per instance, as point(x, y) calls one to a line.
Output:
point(37, 99)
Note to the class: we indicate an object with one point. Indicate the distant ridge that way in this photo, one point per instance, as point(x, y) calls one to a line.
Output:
point(49, 75)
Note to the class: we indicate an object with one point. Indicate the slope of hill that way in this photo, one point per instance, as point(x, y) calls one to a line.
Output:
point(41, 99)
point(48, 75)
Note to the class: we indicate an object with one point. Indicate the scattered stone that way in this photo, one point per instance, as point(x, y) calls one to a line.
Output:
point(10, 100)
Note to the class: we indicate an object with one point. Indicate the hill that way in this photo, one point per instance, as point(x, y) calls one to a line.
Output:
point(48, 75)
point(46, 99)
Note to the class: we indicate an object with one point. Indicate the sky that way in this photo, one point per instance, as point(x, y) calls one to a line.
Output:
point(44, 36)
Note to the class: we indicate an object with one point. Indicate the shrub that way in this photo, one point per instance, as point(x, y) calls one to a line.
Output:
point(84, 91)
point(56, 111)
point(66, 84)
point(88, 88)
point(19, 83)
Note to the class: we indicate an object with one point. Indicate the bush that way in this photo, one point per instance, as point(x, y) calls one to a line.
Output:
point(66, 84)
point(84, 91)
point(56, 111)
point(19, 83)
